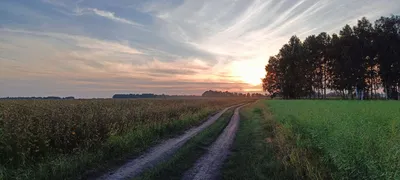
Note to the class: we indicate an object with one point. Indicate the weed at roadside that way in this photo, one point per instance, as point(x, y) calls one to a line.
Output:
point(252, 153)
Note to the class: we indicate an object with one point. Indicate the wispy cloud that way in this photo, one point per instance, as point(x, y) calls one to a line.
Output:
point(55, 2)
point(78, 57)
point(176, 46)
point(81, 41)
point(105, 14)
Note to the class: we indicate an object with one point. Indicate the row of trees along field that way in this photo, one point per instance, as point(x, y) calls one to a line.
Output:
point(48, 97)
point(358, 62)
point(211, 93)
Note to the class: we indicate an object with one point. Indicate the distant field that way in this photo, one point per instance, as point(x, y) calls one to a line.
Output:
point(60, 139)
point(342, 139)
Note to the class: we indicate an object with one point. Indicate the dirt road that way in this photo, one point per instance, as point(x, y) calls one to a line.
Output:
point(158, 153)
point(208, 166)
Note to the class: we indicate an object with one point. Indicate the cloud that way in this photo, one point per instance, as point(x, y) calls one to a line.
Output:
point(81, 41)
point(105, 14)
point(62, 57)
point(248, 28)
point(56, 54)
point(175, 46)
point(55, 3)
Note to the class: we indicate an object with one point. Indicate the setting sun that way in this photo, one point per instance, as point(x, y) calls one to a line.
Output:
point(250, 72)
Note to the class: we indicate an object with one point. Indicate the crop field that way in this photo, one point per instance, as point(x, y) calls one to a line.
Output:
point(317, 139)
point(341, 139)
point(60, 139)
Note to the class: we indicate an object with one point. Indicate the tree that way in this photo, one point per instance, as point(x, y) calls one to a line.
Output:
point(292, 64)
point(337, 64)
point(323, 42)
point(286, 72)
point(356, 61)
point(365, 56)
point(387, 44)
point(271, 83)
point(349, 53)
point(311, 57)
point(317, 59)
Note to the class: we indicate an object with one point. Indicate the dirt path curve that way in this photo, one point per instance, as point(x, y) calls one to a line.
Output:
point(157, 154)
point(208, 166)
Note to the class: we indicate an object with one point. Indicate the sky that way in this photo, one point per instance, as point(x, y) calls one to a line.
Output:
point(96, 48)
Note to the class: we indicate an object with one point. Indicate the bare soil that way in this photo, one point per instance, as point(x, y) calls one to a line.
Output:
point(208, 166)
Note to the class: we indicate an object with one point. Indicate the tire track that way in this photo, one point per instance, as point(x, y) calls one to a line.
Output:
point(157, 154)
point(208, 166)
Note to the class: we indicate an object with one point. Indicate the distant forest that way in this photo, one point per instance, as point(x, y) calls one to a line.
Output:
point(212, 93)
point(48, 97)
point(356, 63)
point(209, 93)
point(119, 96)
point(146, 95)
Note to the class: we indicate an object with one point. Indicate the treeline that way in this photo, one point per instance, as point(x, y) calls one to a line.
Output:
point(358, 62)
point(121, 96)
point(48, 97)
point(147, 95)
point(211, 93)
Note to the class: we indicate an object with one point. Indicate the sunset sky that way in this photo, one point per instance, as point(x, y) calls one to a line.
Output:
point(95, 48)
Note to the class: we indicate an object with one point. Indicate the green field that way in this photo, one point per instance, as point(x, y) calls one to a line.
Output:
point(319, 140)
point(355, 139)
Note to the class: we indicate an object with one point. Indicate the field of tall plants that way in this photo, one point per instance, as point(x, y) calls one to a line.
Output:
point(63, 139)
point(349, 139)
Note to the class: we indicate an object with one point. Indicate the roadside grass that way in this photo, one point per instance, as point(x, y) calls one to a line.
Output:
point(187, 155)
point(77, 139)
point(253, 154)
point(345, 139)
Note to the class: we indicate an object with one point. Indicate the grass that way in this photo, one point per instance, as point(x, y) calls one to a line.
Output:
point(339, 139)
point(186, 156)
point(253, 156)
point(63, 139)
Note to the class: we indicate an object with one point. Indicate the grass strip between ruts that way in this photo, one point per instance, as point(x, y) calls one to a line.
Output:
point(186, 156)
point(252, 155)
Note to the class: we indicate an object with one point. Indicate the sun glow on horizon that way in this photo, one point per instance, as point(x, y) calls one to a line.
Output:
point(249, 71)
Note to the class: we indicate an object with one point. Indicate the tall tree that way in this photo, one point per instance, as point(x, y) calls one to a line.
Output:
point(364, 62)
point(349, 54)
point(337, 64)
point(271, 82)
point(292, 66)
point(312, 59)
point(323, 59)
point(387, 44)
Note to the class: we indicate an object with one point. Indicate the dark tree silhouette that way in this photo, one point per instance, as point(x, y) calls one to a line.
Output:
point(353, 64)
point(211, 93)
point(47, 97)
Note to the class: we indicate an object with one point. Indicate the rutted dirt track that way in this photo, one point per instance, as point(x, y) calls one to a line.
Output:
point(208, 166)
point(158, 153)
